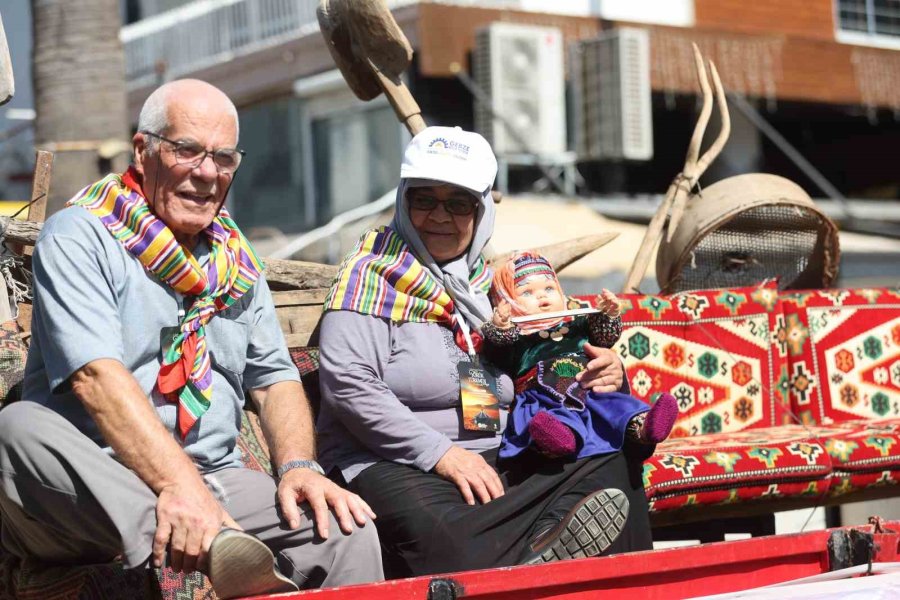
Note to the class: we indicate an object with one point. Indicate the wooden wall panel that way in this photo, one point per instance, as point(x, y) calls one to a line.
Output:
point(801, 18)
point(780, 67)
point(446, 33)
point(776, 49)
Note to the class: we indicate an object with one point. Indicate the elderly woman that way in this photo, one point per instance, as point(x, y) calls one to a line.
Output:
point(398, 333)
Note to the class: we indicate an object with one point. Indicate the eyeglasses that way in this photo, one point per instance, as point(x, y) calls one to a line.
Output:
point(192, 154)
point(455, 206)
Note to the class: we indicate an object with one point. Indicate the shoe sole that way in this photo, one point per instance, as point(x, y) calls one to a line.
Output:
point(589, 529)
point(241, 565)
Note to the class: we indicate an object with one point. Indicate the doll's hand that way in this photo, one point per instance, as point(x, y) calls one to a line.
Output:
point(608, 303)
point(501, 315)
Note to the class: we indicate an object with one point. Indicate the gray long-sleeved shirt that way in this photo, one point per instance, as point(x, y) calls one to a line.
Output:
point(390, 391)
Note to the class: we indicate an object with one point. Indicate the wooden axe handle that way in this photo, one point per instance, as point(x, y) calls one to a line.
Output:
point(403, 103)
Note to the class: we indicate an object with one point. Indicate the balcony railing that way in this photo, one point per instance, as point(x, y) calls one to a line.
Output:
point(207, 32)
point(210, 31)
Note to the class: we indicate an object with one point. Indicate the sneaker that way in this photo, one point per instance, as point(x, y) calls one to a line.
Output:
point(241, 565)
point(589, 529)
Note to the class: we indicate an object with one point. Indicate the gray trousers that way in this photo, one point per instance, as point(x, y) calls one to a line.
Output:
point(65, 501)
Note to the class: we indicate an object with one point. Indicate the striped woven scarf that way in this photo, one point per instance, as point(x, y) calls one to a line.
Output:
point(381, 277)
point(233, 268)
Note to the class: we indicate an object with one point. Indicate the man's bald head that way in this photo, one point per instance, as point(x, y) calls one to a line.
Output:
point(190, 95)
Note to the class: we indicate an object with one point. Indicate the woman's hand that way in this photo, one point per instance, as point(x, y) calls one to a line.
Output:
point(604, 371)
point(471, 473)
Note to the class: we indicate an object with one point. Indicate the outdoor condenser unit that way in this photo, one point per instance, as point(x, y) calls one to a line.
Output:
point(611, 90)
point(521, 68)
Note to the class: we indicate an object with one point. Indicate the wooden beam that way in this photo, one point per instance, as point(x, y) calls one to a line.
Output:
point(40, 186)
point(40, 191)
point(20, 232)
point(298, 275)
point(563, 254)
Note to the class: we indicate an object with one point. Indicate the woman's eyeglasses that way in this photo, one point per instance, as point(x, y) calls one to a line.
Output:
point(460, 207)
point(192, 154)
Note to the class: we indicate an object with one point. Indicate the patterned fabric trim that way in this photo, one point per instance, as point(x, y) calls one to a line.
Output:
point(13, 353)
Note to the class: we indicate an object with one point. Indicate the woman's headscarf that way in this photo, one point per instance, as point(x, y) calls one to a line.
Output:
point(444, 155)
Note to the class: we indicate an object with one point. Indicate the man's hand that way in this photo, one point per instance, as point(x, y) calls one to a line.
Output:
point(299, 485)
point(604, 371)
point(471, 473)
point(188, 518)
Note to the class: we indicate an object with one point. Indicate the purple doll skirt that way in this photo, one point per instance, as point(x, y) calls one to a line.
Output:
point(597, 420)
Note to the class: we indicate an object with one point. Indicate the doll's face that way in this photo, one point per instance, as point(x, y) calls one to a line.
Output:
point(539, 294)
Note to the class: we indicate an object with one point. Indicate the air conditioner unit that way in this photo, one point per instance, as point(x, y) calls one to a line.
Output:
point(611, 96)
point(521, 67)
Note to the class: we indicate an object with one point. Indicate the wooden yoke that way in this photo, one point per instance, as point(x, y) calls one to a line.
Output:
point(679, 190)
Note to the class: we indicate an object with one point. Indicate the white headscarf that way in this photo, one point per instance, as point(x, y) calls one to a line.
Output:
point(452, 156)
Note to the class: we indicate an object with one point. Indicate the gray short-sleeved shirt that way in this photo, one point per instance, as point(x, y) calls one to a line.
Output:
point(93, 300)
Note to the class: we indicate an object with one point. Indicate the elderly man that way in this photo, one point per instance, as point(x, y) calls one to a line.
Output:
point(151, 318)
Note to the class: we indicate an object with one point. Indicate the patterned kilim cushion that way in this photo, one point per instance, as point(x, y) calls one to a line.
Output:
point(760, 464)
point(714, 350)
point(306, 359)
point(26, 581)
point(13, 353)
point(863, 453)
point(844, 353)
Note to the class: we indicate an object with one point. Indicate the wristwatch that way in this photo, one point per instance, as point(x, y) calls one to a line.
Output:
point(300, 464)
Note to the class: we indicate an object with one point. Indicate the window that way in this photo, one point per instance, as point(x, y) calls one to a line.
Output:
point(869, 17)
point(268, 190)
point(357, 156)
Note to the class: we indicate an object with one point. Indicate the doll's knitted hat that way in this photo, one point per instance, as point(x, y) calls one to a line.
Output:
point(527, 265)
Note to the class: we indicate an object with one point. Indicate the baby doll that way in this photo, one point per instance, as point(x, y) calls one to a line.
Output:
point(552, 413)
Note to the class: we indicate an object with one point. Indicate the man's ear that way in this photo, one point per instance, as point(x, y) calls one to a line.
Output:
point(139, 143)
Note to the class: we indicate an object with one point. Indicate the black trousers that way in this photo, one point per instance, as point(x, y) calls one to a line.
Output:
point(426, 527)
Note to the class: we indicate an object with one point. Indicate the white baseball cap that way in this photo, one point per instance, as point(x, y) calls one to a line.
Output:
point(451, 155)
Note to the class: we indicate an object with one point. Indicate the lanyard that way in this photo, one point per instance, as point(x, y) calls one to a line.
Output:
point(464, 327)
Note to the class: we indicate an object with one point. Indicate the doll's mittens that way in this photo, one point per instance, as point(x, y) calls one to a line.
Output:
point(550, 437)
point(660, 419)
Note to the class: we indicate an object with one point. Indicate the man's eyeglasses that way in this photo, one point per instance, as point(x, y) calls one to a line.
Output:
point(460, 207)
point(192, 154)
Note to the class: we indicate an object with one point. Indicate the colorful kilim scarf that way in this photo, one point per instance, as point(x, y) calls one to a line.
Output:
point(233, 268)
point(381, 277)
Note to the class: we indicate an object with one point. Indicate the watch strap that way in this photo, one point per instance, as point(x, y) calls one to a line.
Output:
point(300, 464)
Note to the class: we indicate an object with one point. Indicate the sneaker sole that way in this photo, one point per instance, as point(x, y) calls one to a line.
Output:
point(590, 529)
point(241, 565)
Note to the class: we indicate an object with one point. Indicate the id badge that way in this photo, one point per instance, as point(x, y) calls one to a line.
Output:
point(478, 392)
